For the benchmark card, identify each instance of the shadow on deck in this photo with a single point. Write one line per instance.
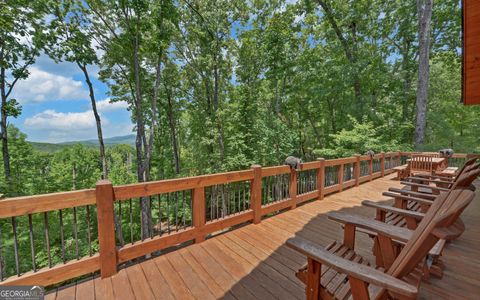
(253, 262)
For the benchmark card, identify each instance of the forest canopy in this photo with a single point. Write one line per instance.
(221, 85)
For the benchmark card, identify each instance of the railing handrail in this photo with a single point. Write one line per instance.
(106, 194)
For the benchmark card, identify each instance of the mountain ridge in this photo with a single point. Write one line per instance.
(53, 147)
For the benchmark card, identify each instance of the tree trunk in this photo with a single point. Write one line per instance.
(215, 106)
(140, 142)
(424, 11)
(101, 144)
(3, 127)
(103, 158)
(173, 133)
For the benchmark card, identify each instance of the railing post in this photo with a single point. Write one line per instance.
(382, 164)
(357, 169)
(199, 212)
(106, 228)
(321, 179)
(370, 168)
(399, 158)
(256, 194)
(292, 188)
(341, 169)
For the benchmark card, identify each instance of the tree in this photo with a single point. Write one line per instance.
(21, 40)
(424, 14)
(73, 43)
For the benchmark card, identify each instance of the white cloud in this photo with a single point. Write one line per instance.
(43, 86)
(106, 105)
(56, 127)
(50, 119)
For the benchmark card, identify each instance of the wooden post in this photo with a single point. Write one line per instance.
(382, 164)
(199, 212)
(106, 228)
(357, 170)
(341, 169)
(399, 158)
(256, 194)
(321, 179)
(292, 188)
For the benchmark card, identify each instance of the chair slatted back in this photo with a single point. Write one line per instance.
(443, 213)
(467, 164)
(465, 182)
(421, 163)
(431, 154)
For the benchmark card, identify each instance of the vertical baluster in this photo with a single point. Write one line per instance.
(15, 245)
(89, 233)
(263, 190)
(210, 202)
(228, 199)
(32, 245)
(269, 194)
(191, 208)
(75, 232)
(131, 220)
(299, 183)
(235, 187)
(301, 178)
(62, 237)
(183, 208)
(176, 211)
(151, 221)
(221, 201)
(244, 204)
(168, 212)
(217, 192)
(159, 198)
(285, 192)
(120, 223)
(47, 240)
(240, 188)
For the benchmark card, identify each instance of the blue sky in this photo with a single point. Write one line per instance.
(57, 108)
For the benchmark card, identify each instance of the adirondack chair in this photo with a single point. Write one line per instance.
(438, 179)
(337, 272)
(439, 185)
(421, 164)
(404, 214)
(425, 190)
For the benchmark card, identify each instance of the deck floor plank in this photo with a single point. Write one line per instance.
(157, 282)
(103, 288)
(253, 262)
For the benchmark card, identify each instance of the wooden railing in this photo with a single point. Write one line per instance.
(182, 210)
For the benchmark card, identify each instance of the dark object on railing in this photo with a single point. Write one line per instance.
(293, 162)
(370, 153)
(446, 153)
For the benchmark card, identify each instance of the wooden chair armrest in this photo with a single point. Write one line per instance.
(412, 193)
(393, 209)
(414, 179)
(446, 178)
(424, 186)
(393, 232)
(408, 198)
(359, 271)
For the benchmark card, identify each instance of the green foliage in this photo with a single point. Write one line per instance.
(358, 140)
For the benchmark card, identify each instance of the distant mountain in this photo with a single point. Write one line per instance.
(126, 139)
(116, 140)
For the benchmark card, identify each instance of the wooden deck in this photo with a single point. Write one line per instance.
(253, 262)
